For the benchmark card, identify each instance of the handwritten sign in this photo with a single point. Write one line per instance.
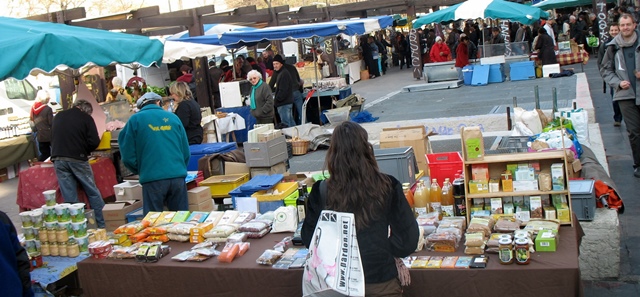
(601, 16)
(504, 27)
(416, 53)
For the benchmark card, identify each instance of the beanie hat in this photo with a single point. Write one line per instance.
(278, 58)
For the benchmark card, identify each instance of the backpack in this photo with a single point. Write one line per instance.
(607, 197)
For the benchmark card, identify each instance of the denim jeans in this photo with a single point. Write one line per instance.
(631, 114)
(298, 100)
(285, 114)
(69, 174)
(171, 192)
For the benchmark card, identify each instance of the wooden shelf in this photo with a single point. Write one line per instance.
(519, 193)
(519, 157)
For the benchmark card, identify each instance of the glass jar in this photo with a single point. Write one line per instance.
(43, 235)
(53, 249)
(507, 236)
(62, 235)
(505, 251)
(44, 249)
(522, 251)
(92, 238)
(73, 250)
(51, 235)
(62, 249)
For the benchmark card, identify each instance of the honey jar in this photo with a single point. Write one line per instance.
(62, 249)
(73, 250)
(53, 249)
(44, 249)
(62, 235)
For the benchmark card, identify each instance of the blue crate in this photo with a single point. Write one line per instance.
(467, 74)
(522, 70)
(496, 73)
(200, 150)
(135, 215)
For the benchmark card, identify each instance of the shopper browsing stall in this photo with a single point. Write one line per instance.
(188, 111)
(154, 145)
(74, 137)
(261, 100)
(283, 97)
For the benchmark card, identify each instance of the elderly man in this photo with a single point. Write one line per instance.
(619, 70)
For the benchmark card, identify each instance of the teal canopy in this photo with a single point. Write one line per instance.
(493, 9)
(31, 45)
(553, 4)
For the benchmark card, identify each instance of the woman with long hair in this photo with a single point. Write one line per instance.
(357, 186)
(188, 110)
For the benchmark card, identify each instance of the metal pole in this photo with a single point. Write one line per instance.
(515, 101)
(509, 124)
(536, 96)
(555, 100)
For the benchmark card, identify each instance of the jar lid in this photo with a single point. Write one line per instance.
(522, 236)
(508, 236)
(522, 241)
(504, 241)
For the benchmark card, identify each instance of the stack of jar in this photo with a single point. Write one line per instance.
(515, 250)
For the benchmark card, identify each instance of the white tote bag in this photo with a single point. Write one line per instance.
(580, 122)
(334, 267)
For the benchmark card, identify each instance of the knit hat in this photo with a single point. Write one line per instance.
(438, 38)
(147, 98)
(278, 58)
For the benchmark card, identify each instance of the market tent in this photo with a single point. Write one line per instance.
(182, 45)
(493, 9)
(31, 45)
(299, 31)
(553, 4)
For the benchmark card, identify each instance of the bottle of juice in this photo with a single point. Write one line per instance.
(406, 188)
(420, 199)
(436, 196)
(447, 199)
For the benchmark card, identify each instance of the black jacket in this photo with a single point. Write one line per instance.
(74, 135)
(377, 248)
(14, 261)
(284, 88)
(188, 111)
(295, 78)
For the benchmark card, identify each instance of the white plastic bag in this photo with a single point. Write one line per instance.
(530, 119)
(580, 120)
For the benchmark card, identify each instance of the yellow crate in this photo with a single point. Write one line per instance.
(221, 185)
(291, 199)
(284, 190)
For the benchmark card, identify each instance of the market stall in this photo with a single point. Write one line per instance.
(39, 178)
(182, 45)
(17, 149)
(548, 274)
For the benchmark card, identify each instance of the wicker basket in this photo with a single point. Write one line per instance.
(300, 146)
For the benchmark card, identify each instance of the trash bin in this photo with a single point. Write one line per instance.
(467, 73)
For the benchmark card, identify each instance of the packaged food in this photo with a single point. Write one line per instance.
(141, 236)
(507, 225)
(284, 244)
(221, 231)
(243, 248)
(99, 247)
(182, 228)
(435, 262)
(479, 261)
(442, 242)
(189, 256)
(132, 228)
(286, 219)
(449, 262)
(428, 219)
(237, 237)
(197, 217)
(505, 251)
(229, 252)
(474, 239)
(454, 222)
(141, 255)
(181, 216)
(123, 252)
(267, 216)
(161, 238)
(258, 234)
(269, 257)
(244, 217)
(214, 217)
(254, 226)
(539, 224)
(420, 262)
(205, 244)
(474, 250)
(481, 224)
(151, 217)
(463, 262)
(154, 253)
(157, 230)
(209, 252)
(229, 217)
(178, 237)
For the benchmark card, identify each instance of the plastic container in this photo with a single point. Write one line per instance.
(37, 218)
(25, 217)
(221, 185)
(337, 115)
(284, 190)
(128, 190)
(266, 154)
(522, 70)
(444, 165)
(496, 73)
(583, 199)
(467, 74)
(49, 197)
(200, 150)
(399, 162)
(62, 212)
(76, 211)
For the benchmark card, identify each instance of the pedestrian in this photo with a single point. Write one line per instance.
(188, 78)
(14, 262)
(619, 70)
(544, 45)
(614, 30)
(283, 98)
(440, 51)
(462, 55)
(42, 117)
(215, 76)
(357, 186)
(296, 85)
(261, 100)
(375, 68)
(188, 111)
(73, 137)
(154, 146)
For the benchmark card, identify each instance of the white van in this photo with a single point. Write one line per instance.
(17, 96)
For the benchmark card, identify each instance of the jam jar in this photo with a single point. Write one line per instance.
(505, 251)
(522, 251)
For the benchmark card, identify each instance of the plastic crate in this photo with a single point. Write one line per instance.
(496, 73)
(221, 185)
(399, 162)
(337, 115)
(444, 165)
(522, 70)
(284, 190)
(583, 199)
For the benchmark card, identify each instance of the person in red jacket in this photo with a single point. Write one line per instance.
(440, 51)
(462, 55)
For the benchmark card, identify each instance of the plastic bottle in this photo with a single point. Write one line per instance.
(420, 199)
(436, 196)
(447, 199)
(406, 188)
(458, 195)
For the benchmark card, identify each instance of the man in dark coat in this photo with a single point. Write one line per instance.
(283, 98)
(215, 75)
(14, 262)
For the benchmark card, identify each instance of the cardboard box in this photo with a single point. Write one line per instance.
(128, 190)
(118, 211)
(206, 206)
(507, 185)
(280, 168)
(201, 229)
(535, 205)
(562, 212)
(546, 241)
(414, 136)
(198, 195)
(135, 215)
(113, 225)
(480, 172)
(235, 168)
(557, 176)
(525, 185)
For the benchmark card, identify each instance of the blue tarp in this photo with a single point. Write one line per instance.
(348, 27)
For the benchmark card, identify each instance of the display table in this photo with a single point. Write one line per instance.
(38, 179)
(353, 70)
(311, 108)
(240, 131)
(55, 268)
(17, 149)
(565, 59)
(549, 274)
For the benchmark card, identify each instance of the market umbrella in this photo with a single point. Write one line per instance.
(31, 45)
(553, 4)
(493, 9)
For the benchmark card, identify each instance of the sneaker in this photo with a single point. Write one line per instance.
(636, 172)
(616, 124)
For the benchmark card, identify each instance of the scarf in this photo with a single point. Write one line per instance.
(253, 94)
(622, 43)
(37, 108)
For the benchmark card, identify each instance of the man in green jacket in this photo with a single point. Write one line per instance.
(154, 145)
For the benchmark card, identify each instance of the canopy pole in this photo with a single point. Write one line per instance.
(315, 73)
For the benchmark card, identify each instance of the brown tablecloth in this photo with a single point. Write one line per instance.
(17, 149)
(549, 274)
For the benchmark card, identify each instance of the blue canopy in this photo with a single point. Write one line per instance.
(211, 35)
(348, 27)
(27, 45)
